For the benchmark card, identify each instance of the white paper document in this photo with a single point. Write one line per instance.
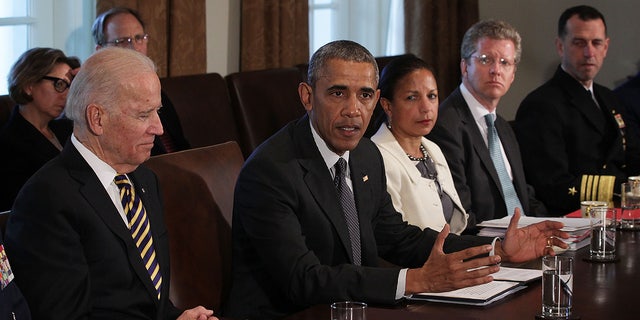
(570, 224)
(517, 274)
(479, 295)
(507, 281)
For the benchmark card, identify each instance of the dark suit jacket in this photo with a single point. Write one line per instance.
(24, 151)
(629, 95)
(172, 127)
(12, 303)
(474, 174)
(72, 254)
(564, 135)
(290, 238)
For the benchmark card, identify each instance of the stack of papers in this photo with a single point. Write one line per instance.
(578, 229)
(506, 282)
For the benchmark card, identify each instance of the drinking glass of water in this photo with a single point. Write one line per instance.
(630, 215)
(557, 287)
(603, 234)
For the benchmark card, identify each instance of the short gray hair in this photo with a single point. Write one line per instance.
(97, 30)
(492, 29)
(103, 79)
(343, 50)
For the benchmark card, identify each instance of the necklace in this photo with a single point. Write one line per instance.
(425, 156)
(427, 168)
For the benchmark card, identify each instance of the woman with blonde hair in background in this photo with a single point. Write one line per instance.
(38, 83)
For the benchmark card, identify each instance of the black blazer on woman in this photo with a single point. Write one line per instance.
(24, 151)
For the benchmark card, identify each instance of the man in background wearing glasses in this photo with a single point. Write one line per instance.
(571, 130)
(123, 27)
(491, 185)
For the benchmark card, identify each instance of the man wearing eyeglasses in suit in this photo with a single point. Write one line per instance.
(490, 185)
(123, 27)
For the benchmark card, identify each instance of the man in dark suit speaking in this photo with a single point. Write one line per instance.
(86, 234)
(312, 215)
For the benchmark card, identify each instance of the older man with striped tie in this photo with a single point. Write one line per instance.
(86, 233)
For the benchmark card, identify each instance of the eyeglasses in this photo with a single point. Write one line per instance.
(127, 42)
(486, 60)
(60, 85)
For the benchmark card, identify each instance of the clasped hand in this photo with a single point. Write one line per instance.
(197, 313)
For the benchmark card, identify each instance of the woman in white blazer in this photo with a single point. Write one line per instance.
(418, 177)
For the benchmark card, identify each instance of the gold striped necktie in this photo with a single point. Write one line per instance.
(140, 229)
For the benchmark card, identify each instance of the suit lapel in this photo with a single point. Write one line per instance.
(318, 180)
(611, 116)
(386, 141)
(589, 109)
(479, 146)
(581, 100)
(93, 192)
(91, 189)
(363, 196)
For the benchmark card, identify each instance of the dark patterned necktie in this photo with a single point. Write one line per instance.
(428, 171)
(140, 229)
(349, 209)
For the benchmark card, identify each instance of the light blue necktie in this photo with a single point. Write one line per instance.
(510, 196)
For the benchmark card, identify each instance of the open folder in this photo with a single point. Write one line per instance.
(506, 282)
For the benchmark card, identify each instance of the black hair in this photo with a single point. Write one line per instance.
(585, 13)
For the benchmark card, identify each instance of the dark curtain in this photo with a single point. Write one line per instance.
(177, 31)
(434, 31)
(275, 33)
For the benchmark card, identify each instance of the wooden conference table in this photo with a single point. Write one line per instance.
(601, 291)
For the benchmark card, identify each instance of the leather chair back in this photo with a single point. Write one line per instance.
(264, 101)
(383, 61)
(203, 106)
(197, 189)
